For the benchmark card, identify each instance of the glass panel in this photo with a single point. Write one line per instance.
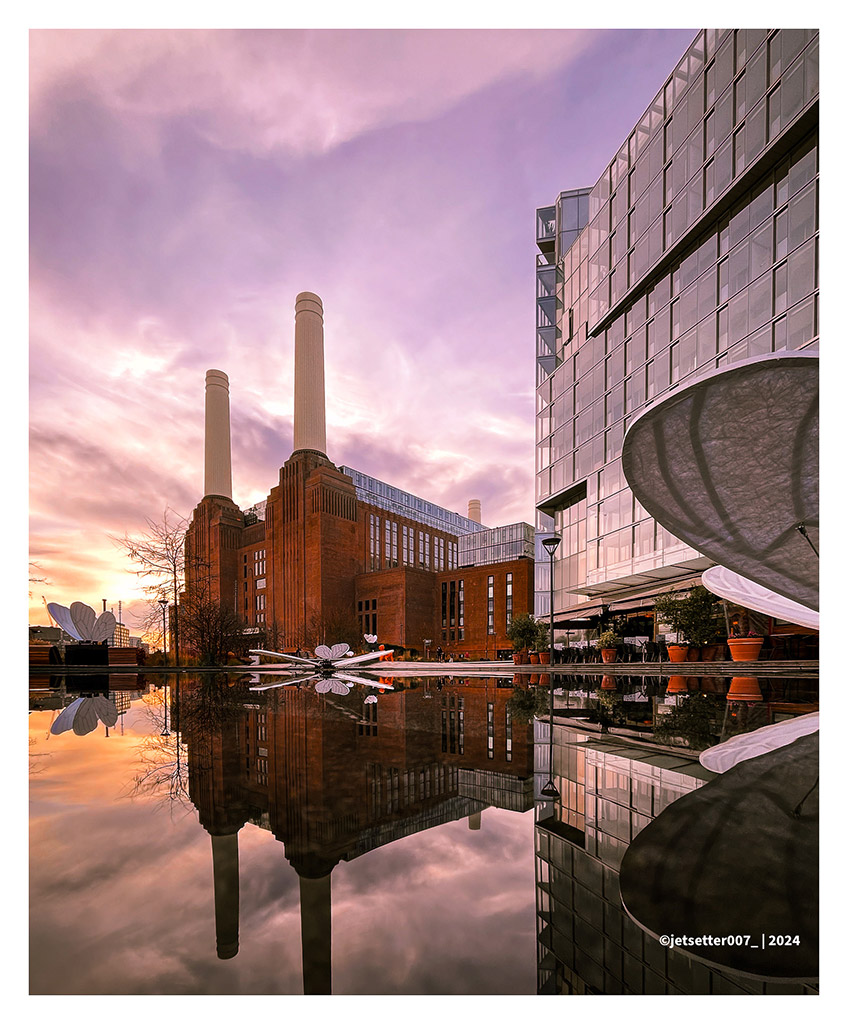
(774, 120)
(755, 133)
(780, 288)
(737, 316)
(802, 171)
(792, 86)
(759, 302)
(781, 235)
(706, 341)
(801, 323)
(802, 271)
(802, 216)
(760, 246)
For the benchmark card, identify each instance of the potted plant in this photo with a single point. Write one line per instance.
(744, 641)
(543, 641)
(745, 648)
(694, 618)
(521, 632)
(607, 643)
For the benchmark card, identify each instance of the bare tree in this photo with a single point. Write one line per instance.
(35, 567)
(159, 554)
(338, 625)
(210, 630)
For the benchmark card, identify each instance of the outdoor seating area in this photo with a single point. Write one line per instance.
(776, 647)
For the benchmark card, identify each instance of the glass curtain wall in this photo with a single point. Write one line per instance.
(701, 250)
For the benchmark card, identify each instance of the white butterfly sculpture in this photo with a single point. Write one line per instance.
(83, 714)
(326, 670)
(82, 623)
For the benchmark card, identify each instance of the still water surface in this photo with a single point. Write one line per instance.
(290, 841)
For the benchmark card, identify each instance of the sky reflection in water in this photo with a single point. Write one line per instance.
(122, 893)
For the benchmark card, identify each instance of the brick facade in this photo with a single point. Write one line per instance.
(323, 563)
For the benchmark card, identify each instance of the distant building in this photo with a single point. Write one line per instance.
(334, 549)
(48, 635)
(121, 636)
(696, 248)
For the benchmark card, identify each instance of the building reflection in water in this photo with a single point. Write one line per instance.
(612, 785)
(333, 777)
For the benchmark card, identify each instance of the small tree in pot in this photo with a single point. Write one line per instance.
(694, 618)
(543, 641)
(608, 643)
(522, 633)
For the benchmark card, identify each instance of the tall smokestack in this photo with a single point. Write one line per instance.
(316, 926)
(225, 872)
(310, 430)
(474, 511)
(219, 473)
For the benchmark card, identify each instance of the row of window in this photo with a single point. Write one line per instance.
(747, 288)
(675, 166)
(689, 164)
(391, 544)
(258, 564)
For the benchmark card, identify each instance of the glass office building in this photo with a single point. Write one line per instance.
(587, 943)
(696, 248)
(499, 544)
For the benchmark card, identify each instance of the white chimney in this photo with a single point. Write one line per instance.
(219, 474)
(474, 511)
(310, 430)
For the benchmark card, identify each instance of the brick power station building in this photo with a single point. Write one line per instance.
(331, 546)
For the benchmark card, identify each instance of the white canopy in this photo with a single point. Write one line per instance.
(730, 466)
(733, 587)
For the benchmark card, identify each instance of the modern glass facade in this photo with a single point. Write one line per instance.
(500, 544)
(401, 503)
(700, 248)
(587, 944)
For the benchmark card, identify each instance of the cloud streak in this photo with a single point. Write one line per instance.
(186, 185)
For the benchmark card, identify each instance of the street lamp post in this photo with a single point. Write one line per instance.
(549, 790)
(164, 603)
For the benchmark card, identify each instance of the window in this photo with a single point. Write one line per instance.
(490, 606)
(508, 598)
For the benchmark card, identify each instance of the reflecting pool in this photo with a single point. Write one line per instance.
(388, 836)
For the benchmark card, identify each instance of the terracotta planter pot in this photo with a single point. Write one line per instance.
(745, 648)
(693, 654)
(710, 652)
(534, 659)
(534, 680)
(677, 684)
(520, 658)
(745, 689)
(545, 679)
(544, 657)
(608, 654)
(608, 683)
(678, 652)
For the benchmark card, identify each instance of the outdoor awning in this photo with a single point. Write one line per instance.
(733, 587)
(730, 466)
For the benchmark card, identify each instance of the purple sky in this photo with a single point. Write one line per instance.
(186, 185)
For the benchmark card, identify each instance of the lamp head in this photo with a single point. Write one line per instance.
(549, 790)
(550, 544)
